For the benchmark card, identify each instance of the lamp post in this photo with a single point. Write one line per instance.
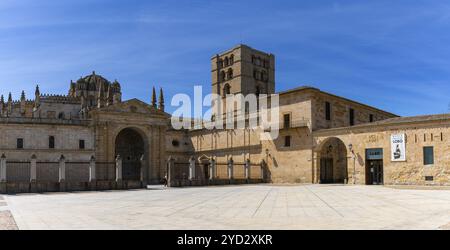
(350, 148)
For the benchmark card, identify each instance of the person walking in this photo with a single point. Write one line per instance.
(165, 181)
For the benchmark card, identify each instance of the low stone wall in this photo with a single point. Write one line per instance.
(209, 173)
(16, 187)
(215, 182)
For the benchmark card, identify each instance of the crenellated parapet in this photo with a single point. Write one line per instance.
(59, 99)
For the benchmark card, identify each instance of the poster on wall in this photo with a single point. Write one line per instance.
(398, 147)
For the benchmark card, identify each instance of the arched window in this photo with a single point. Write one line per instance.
(226, 90)
(51, 142)
(222, 76)
(230, 74)
(263, 75)
(231, 59)
(256, 74)
(220, 63)
(227, 62)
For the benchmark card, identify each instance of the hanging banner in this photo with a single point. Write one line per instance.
(398, 147)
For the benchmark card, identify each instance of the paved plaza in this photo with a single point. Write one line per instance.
(236, 207)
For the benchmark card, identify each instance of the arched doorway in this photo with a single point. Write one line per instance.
(333, 161)
(130, 145)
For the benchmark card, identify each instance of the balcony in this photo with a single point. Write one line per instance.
(302, 123)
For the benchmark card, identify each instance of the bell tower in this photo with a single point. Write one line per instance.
(244, 70)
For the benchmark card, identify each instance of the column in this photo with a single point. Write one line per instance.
(92, 170)
(192, 168)
(118, 168)
(230, 168)
(141, 169)
(3, 168)
(247, 169)
(170, 169)
(263, 166)
(33, 172)
(212, 169)
(62, 168)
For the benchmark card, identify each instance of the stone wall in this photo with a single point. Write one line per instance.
(340, 114)
(36, 141)
(412, 171)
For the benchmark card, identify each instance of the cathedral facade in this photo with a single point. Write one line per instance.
(92, 139)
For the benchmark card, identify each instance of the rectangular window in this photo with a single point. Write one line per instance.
(428, 155)
(81, 144)
(51, 142)
(352, 117)
(19, 143)
(287, 141)
(286, 121)
(371, 118)
(328, 111)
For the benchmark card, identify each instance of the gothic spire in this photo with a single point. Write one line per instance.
(161, 99)
(154, 98)
(37, 92)
(2, 105)
(22, 96)
(9, 97)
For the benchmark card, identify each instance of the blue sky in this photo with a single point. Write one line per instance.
(394, 55)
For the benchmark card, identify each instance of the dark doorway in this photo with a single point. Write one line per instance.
(326, 170)
(206, 171)
(375, 172)
(130, 146)
(374, 166)
(333, 162)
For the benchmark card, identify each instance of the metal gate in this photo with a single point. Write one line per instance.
(326, 170)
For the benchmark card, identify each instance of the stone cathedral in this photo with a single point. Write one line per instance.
(91, 139)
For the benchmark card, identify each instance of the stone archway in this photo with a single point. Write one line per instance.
(332, 161)
(131, 145)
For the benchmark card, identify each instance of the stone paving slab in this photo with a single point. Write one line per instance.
(237, 207)
(7, 221)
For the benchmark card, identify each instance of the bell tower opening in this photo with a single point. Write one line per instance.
(243, 70)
